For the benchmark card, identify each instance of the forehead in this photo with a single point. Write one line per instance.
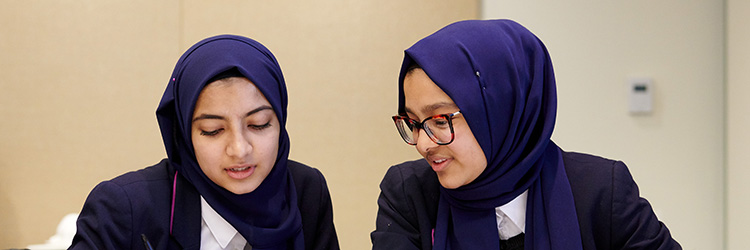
(422, 97)
(232, 91)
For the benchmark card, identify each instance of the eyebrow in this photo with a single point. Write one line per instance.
(218, 117)
(431, 108)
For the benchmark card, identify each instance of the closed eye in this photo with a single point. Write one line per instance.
(211, 133)
(441, 122)
(259, 127)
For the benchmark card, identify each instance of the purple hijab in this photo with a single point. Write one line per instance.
(268, 218)
(500, 76)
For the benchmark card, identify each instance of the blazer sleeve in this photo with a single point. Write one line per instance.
(105, 222)
(396, 225)
(634, 224)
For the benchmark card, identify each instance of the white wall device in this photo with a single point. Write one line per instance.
(641, 96)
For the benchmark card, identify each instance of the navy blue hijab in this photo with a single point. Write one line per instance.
(268, 217)
(500, 76)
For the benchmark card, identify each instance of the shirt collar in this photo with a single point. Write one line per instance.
(516, 210)
(222, 231)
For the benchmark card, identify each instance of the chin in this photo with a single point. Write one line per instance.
(449, 184)
(242, 190)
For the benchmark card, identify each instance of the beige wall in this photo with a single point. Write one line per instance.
(79, 87)
(738, 122)
(676, 154)
(81, 81)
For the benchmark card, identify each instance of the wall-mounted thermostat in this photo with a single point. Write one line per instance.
(641, 95)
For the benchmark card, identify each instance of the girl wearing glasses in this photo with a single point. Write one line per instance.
(227, 182)
(478, 101)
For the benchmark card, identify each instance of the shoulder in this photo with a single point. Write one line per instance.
(609, 207)
(593, 169)
(138, 191)
(310, 184)
(411, 174)
(159, 172)
(407, 206)
(575, 161)
(148, 186)
(315, 206)
(412, 180)
(302, 170)
(590, 175)
(588, 171)
(305, 176)
(116, 208)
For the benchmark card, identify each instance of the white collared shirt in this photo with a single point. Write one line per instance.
(216, 232)
(511, 217)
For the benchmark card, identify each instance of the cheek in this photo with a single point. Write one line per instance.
(473, 155)
(206, 153)
(268, 147)
(479, 165)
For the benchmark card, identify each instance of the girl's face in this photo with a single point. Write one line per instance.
(235, 134)
(457, 163)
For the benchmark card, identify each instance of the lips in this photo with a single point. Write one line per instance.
(238, 169)
(240, 172)
(438, 163)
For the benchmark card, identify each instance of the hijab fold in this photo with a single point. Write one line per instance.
(268, 217)
(500, 76)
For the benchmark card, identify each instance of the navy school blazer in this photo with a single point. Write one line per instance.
(611, 214)
(118, 211)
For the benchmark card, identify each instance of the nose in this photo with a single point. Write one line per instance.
(239, 146)
(424, 143)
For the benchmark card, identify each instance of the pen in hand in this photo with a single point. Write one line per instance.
(146, 243)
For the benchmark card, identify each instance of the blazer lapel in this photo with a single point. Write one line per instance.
(186, 226)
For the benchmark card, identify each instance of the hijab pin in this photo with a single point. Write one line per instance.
(484, 87)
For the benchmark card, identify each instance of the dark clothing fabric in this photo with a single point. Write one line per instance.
(611, 214)
(514, 243)
(118, 211)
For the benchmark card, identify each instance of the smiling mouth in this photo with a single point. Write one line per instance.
(439, 164)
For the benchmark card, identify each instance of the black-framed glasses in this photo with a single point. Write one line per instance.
(439, 128)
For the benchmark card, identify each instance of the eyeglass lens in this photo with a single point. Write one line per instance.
(437, 128)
